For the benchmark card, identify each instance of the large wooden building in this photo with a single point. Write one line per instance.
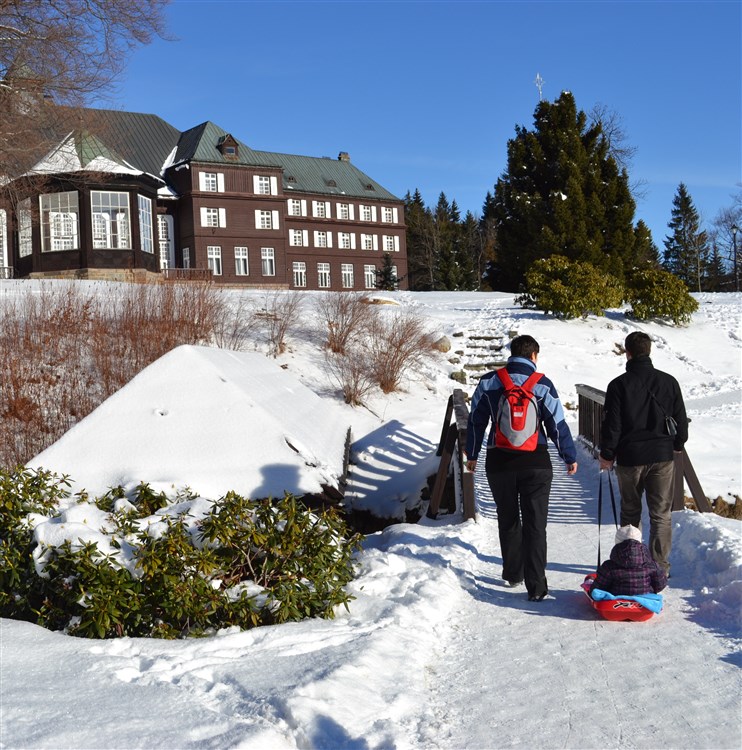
(127, 195)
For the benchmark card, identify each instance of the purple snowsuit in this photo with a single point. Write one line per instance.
(630, 571)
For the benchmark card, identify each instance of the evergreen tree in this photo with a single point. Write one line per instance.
(562, 193)
(421, 243)
(686, 248)
(386, 276)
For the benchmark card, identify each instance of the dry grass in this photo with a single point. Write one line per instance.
(65, 349)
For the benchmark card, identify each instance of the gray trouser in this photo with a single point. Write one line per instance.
(657, 481)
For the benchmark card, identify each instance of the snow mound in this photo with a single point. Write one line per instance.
(209, 419)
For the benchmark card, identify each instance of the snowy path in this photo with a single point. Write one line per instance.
(552, 674)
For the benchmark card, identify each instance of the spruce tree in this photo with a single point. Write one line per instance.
(421, 244)
(386, 276)
(686, 248)
(562, 193)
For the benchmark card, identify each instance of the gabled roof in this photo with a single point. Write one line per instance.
(146, 143)
(301, 174)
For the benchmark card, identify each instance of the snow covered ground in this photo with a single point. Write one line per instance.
(435, 651)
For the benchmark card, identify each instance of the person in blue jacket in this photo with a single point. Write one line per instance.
(521, 480)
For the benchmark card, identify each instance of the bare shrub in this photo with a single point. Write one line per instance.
(236, 325)
(353, 372)
(281, 313)
(65, 348)
(345, 314)
(397, 342)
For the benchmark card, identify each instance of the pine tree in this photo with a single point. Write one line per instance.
(562, 193)
(686, 249)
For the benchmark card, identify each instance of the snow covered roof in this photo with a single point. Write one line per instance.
(209, 419)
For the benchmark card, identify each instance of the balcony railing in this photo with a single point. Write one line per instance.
(186, 274)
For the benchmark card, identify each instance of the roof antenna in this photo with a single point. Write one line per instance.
(539, 84)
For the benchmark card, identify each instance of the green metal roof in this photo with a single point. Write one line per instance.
(301, 174)
(148, 143)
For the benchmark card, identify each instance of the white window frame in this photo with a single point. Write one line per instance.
(297, 207)
(345, 240)
(25, 228)
(146, 228)
(59, 219)
(321, 209)
(241, 261)
(324, 280)
(214, 259)
(266, 219)
(369, 276)
(346, 275)
(186, 257)
(111, 222)
(390, 243)
(389, 215)
(343, 211)
(299, 237)
(368, 213)
(213, 217)
(299, 270)
(211, 182)
(268, 261)
(320, 238)
(165, 241)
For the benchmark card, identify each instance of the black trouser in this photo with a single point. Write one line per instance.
(522, 499)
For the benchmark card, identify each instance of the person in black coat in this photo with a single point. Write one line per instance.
(644, 424)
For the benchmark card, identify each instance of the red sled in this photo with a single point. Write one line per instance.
(617, 610)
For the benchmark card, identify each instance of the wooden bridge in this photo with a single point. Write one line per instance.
(454, 484)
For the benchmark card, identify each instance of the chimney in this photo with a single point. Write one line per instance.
(343, 156)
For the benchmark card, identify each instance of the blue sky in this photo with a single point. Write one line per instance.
(426, 94)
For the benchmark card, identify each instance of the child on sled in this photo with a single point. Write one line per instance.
(630, 570)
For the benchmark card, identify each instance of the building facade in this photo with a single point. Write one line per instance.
(128, 196)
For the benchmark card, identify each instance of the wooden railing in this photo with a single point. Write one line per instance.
(451, 450)
(590, 403)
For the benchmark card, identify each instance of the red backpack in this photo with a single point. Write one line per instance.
(516, 425)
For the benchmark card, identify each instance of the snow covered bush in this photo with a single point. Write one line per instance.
(569, 289)
(656, 293)
(144, 564)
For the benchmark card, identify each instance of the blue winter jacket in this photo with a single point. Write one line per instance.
(551, 415)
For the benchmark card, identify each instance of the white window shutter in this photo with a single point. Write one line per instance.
(257, 218)
(305, 237)
(373, 215)
(395, 215)
(327, 209)
(352, 212)
(352, 240)
(376, 242)
(329, 239)
(316, 238)
(274, 186)
(204, 220)
(220, 182)
(314, 208)
(396, 241)
(275, 219)
(255, 183)
(222, 217)
(201, 181)
(303, 207)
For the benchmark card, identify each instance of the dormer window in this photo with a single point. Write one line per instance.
(228, 147)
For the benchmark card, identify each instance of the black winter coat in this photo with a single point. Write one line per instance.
(633, 430)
